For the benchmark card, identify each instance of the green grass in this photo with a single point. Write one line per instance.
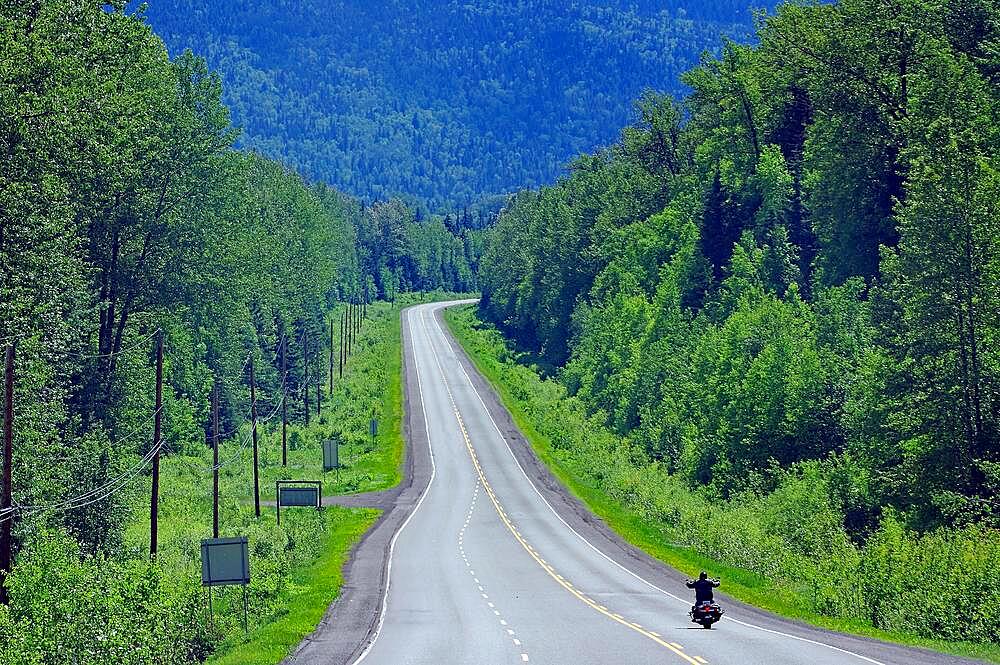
(741, 584)
(307, 597)
(296, 569)
(371, 384)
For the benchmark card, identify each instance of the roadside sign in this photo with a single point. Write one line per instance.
(373, 428)
(225, 561)
(331, 454)
(299, 496)
(298, 493)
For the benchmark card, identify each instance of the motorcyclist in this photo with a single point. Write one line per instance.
(703, 588)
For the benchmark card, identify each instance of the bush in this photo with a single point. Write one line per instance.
(944, 584)
(108, 612)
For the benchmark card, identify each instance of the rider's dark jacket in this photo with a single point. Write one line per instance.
(703, 590)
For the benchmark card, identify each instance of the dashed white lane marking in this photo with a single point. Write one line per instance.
(641, 579)
(416, 508)
(479, 585)
(513, 529)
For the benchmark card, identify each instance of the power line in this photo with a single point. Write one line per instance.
(113, 486)
(116, 442)
(91, 497)
(112, 354)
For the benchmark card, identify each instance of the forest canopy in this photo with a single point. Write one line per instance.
(798, 263)
(444, 102)
(125, 217)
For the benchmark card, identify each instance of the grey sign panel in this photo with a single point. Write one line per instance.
(373, 428)
(225, 561)
(299, 496)
(331, 454)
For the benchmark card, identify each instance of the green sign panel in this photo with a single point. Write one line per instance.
(331, 454)
(299, 496)
(225, 561)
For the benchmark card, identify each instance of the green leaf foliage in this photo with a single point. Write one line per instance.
(786, 293)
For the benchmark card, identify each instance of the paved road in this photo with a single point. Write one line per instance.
(495, 564)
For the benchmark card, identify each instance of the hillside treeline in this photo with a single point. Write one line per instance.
(126, 215)
(447, 102)
(793, 273)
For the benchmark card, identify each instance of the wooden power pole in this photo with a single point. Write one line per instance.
(305, 374)
(253, 425)
(284, 401)
(343, 330)
(215, 461)
(7, 496)
(154, 500)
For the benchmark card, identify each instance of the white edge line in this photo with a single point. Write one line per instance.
(420, 502)
(591, 545)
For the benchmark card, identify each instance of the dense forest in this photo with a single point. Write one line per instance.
(793, 274)
(445, 102)
(127, 217)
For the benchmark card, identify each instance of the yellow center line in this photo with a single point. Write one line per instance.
(566, 585)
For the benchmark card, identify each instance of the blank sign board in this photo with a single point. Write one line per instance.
(225, 561)
(299, 496)
(330, 454)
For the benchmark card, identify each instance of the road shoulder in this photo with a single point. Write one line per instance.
(351, 621)
(596, 532)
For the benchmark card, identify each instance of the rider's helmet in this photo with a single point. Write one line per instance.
(703, 575)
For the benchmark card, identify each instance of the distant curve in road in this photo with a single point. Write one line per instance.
(491, 568)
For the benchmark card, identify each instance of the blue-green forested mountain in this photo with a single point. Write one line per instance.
(446, 101)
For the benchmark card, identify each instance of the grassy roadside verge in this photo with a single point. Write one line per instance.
(310, 591)
(372, 384)
(520, 389)
(297, 568)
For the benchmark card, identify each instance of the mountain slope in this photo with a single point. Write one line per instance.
(445, 101)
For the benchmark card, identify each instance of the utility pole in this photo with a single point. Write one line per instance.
(6, 498)
(154, 501)
(284, 401)
(343, 329)
(319, 399)
(215, 460)
(253, 425)
(305, 376)
(332, 342)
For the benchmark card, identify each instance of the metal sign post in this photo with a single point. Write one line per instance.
(331, 456)
(298, 493)
(226, 562)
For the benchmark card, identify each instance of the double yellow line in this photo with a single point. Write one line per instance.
(536, 556)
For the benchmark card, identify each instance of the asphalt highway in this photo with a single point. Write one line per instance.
(496, 564)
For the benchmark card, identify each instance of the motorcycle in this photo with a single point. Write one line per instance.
(706, 613)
